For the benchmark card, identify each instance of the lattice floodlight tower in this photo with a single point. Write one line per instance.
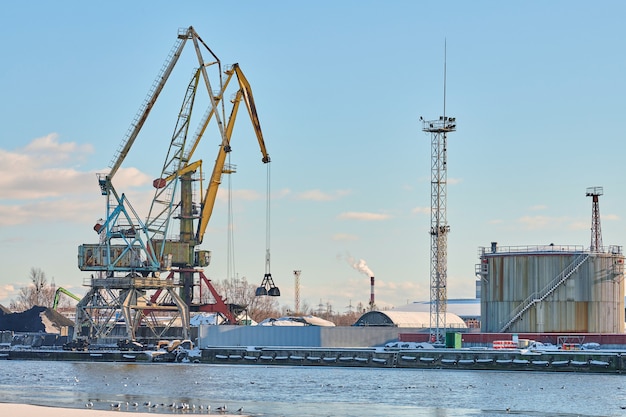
(296, 286)
(127, 266)
(439, 228)
(596, 232)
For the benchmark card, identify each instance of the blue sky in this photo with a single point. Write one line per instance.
(537, 89)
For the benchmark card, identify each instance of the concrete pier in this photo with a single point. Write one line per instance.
(77, 356)
(481, 359)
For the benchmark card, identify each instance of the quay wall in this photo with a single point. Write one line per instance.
(483, 359)
(75, 356)
(473, 340)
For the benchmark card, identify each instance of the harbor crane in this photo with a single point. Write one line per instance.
(143, 273)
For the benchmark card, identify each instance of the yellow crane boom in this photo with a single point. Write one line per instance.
(245, 93)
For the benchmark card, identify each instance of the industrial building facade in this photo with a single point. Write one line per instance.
(537, 289)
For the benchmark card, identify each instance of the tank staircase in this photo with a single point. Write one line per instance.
(539, 296)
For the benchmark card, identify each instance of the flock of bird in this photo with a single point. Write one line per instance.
(181, 407)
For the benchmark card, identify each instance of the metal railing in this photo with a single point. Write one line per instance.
(551, 248)
(531, 249)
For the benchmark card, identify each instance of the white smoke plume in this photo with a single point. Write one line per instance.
(359, 265)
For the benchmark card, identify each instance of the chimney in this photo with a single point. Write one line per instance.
(372, 293)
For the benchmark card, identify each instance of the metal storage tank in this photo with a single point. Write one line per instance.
(542, 289)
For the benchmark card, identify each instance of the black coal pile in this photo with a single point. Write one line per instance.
(36, 319)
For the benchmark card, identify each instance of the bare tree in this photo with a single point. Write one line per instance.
(38, 293)
(240, 291)
(305, 309)
(346, 319)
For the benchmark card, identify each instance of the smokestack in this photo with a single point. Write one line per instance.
(362, 267)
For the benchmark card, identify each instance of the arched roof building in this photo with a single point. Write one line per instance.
(414, 319)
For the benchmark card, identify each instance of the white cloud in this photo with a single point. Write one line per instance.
(354, 215)
(245, 195)
(48, 150)
(579, 225)
(344, 237)
(547, 222)
(405, 292)
(128, 177)
(318, 195)
(281, 193)
(535, 222)
(586, 224)
(39, 170)
(421, 210)
(250, 195)
(68, 209)
(39, 185)
(7, 293)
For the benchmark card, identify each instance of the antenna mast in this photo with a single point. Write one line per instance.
(596, 232)
(439, 228)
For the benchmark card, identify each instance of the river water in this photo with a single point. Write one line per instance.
(275, 391)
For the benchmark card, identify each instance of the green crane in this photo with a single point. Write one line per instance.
(57, 294)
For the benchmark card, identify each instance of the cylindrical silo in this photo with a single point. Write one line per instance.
(542, 289)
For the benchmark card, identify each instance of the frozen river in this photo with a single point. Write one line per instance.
(275, 391)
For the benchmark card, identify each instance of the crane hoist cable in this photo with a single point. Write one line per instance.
(230, 251)
(267, 285)
(267, 224)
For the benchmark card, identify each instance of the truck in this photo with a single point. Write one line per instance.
(172, 351)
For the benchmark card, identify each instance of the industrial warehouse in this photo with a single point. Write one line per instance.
(544, 307)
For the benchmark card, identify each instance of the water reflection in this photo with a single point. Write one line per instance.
(312, 391)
